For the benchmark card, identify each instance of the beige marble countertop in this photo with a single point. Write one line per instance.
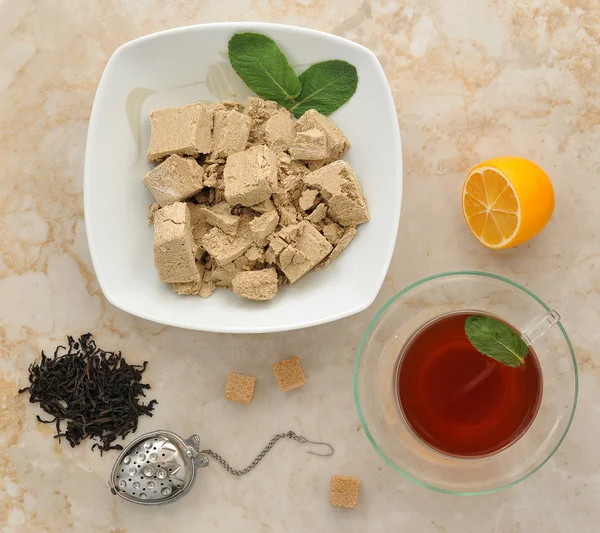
(471, 80)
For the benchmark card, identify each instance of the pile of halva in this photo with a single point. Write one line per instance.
(246, 198)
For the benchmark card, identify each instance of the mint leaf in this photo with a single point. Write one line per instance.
(325, 87)
(263, 67)
(496, 340)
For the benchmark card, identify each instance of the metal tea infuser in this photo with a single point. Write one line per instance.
(160, 467)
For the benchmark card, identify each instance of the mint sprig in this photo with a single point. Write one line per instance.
(325, 87)
(263, 67)
(496, 340)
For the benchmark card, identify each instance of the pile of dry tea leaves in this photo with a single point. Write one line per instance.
(95, 392)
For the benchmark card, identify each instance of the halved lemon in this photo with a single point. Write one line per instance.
(506, 201)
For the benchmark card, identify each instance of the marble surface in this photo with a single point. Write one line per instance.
(471, 80)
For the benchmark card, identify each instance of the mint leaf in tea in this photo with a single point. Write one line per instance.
(496, 340)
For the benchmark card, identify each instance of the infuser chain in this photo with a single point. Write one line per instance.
(289, 435)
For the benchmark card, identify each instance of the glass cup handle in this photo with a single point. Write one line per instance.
(539, 327)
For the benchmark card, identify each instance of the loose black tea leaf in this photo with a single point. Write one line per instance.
(95, 392)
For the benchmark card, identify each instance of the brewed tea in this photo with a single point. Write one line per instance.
(459, 401)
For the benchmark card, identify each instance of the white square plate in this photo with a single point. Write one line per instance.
(184, 65)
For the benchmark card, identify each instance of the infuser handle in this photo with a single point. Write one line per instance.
(193, 451)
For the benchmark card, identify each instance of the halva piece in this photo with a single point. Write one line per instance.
(264, 207)
(290, 174)
(255, 255)
(310, 145)
(204, 286)
(337, 143)
(259, 111)
(223, 275)
(199, 226)
(349, 234)
(261, 227)
(230, 133)
(152, 209)
(213, 173)
(333, 232)
(175, 179)
(280, 131)
(318, 214)
(183, 130)
(341, 191)
(174, 249)
(259, 285)
(220, 216)
(227, 105)
(225, 248)
(250, 176)
(304, 251)
(308, 199)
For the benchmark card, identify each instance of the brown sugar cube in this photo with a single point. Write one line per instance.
(288, 374)
(240, 388)
(344, 491)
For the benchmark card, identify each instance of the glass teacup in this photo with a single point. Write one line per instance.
(375, 381)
